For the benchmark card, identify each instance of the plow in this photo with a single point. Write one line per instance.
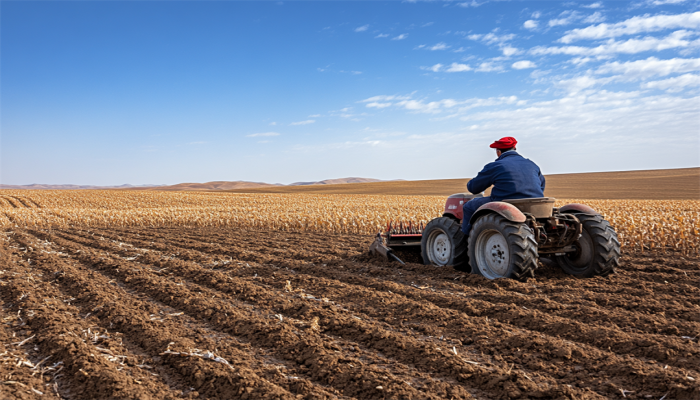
(508, 237)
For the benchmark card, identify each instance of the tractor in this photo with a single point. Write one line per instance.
(508, 237)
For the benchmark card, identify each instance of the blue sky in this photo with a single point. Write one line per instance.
(165, 92)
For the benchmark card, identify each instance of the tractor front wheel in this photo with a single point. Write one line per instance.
(499, 248)
(443, 243)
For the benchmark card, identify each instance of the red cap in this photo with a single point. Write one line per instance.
(504, 143)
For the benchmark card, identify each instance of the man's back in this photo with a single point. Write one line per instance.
(512, 177)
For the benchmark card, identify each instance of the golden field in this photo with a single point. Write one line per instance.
(641, 224)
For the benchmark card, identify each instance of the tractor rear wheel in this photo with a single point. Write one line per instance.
(443, 243)
(597, 250)
(499, 248)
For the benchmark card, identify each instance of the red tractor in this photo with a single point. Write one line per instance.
(507, 238)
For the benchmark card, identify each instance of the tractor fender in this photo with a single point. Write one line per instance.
(506, 210)
(574, 208)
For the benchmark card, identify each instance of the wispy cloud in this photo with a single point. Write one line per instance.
(675, 84)
(676, 39)
(531, 24)
(400, 37)
(491, 37)
(382, 35)
(652, 66)
(263, 134)
(306, 122)
(438, 46)
(593, 5)
(664, 2)
(565, 18)
(524, 64)
(633, 26)
(362, 28)
(489, 67)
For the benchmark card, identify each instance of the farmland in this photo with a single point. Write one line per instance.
(130, 294)
(641, 224)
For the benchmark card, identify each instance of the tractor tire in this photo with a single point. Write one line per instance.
(499, 248)
(443, 243)
(597, 250)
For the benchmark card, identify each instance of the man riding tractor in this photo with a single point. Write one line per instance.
(512, 176)
(504, 235)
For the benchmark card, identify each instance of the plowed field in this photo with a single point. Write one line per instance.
(220, 314)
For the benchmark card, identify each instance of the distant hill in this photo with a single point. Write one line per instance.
(216, 185)
(660, 184)
(38, 186)
(338, 181)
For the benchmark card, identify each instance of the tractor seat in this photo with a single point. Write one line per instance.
(539, 207)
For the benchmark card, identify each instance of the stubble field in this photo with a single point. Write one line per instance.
(190, 310)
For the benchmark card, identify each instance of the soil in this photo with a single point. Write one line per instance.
(145, 313)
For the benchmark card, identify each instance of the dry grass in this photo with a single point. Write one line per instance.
(641, 224)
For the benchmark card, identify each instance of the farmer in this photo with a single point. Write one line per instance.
(512, 177)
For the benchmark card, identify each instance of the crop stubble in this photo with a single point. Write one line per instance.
(220, 313)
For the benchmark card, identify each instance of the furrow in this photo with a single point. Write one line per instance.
(433, 320)
(353, 376)
(163, 340)
(82, 360)
(674, 351)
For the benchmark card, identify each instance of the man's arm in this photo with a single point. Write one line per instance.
(482, 181)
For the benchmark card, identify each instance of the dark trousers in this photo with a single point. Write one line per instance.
(469, 208)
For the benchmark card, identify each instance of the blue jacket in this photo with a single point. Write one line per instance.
(512, 176)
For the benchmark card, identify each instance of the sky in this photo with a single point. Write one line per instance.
(164, 92)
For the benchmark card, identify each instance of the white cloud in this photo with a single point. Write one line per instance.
(530, 24)
(631, 46)
(434, 68)
(652, 66)
(567, 17)
(634, 25)
(536, 14)
(524, 64)
(491, 38)
(594, 5)
(675, 84)
(452, 105)
(509, 50)
(581, 60)
(263, 134)
(439, 46)
(375, 104)
(489, 67)
(472, 3)
(663, 2)
(381, 98)
(273, 123)
(455, 67)
(400, 37)
(308, 121)
(594, 18)
(579, 83)
(382, 35)
(362, 28)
